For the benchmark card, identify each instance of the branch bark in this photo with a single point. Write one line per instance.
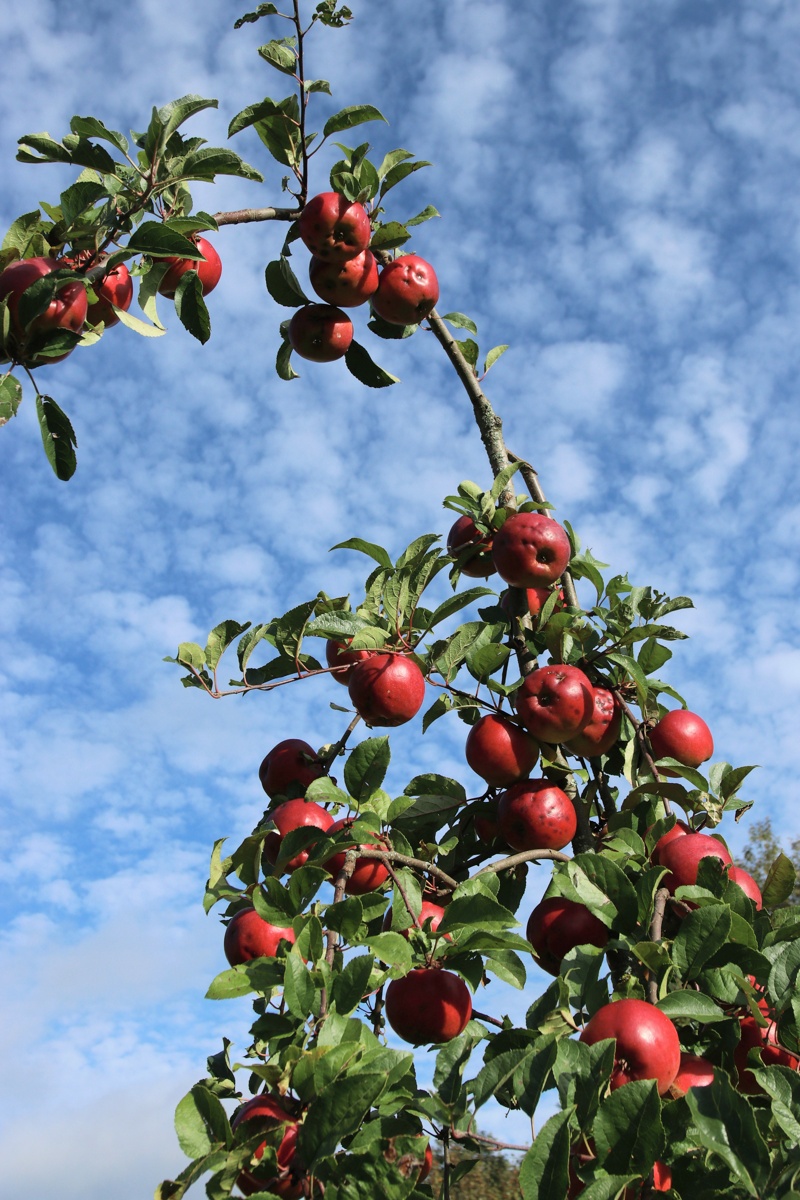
(244, 216)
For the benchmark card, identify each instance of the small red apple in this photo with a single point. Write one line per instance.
(748, 885)
(407, 291)
(428, 1005)
(684, 736)
(530, 550)
(485, 822)
(555, 702)
(333, 228)
(682, 857)
(289, 768)
(536, 815)
(499, 751)
(249, 936)
(114, 290)
(209, 269)
(694, 1071)
(464, 534)
(270, 1110)
(535, 599)
(346, 284)
(647, 1047)
(295, 814)
(765, 1039)
(320, 333)
(428, 911)
(338, 655)
(427, 1164)
(67, 309)
(557, 925)
(369, 873)
(387, 689)
(601, 733)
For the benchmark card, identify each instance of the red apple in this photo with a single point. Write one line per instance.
(114, 290)
(748, 885)
(530, 550)
(209, 269)
(407, 291)
(678, 830)
(270, 1111)
(499, 751)
(485, 822)
(662, 1177)
(294, 814)
(387, 689)
(694, 1071)
(346, 284)
(427, 1164)
(765, 1039)
(428, 1005)
(536, 815)
(464, 534)
(557, 925)
(555, 702)
(429, 911)
(320, 333)
(601, 732)
(289, 768)
(684, 736)
(249, 936)
(368, 874)
(333, 228)
(67, 309)
(647, 1047)
(682, 858)
(338, 655)
(535, 599)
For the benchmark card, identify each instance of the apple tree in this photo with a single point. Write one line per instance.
(670, 1034)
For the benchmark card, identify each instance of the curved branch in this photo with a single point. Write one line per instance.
(524, 856)
(393, 856)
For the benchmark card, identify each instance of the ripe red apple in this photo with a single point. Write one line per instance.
(346, 284)
(333, 228)
(678, 830)
(601, 732)
(499, 751)
(67, 309)
(427, 1164)
(270, 1110)
(748, 885)
(684, 736)
(209, 269)
(295, 814)
(114, 290)
(557, 925)
(464, 534)
(555, 702)
(338, 655)
(682, 858)
(428, 911)
(249, 936)
(694, 1071)
(387, 689)
(289, 768)
(535, 599)
(530, 550)
(754, 1036)
(485, 823)
(648, 1046)
(428, 1005)
(407, 291)
(368, 874)
(536, 815)
(320, 333)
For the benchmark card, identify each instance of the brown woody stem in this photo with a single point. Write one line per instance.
(332, 937)
(388, 856)
(662, 896)
(524, 856)
(243, 216)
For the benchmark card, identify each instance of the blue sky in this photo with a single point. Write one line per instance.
(617, 185)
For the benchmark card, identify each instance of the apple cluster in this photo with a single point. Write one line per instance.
(344, 273)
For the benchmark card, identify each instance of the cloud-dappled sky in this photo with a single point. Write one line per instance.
(617, 187)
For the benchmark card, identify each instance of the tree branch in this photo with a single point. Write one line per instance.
(332, 937)
(524, 856)
(244, 216)
(388, 856)
(662, 896)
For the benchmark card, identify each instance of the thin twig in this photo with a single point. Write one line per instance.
(524, 856)
(642, 740)
(328, 759)
(243, 216)
(332, 937)
(479, 1016)
(388, 856)
(402, 892)
(662, 896)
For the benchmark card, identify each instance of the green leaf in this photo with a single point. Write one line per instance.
(281, 55)
(690, 1006)
(143, 328)
(392, 948)
(191, 307)
(229, 984)
(780, 884)
(544, 1172)
(600, 884)
(450, 1063)
(371, 549)
(492, 357)
(359, 363)
(347, 118)
(456, 602)
(174, 114)
(702, 933)
(283, 364)
(337, 1113)
(220, 638)
(91, 127)
(10, 398)
(479, 910)
(389, 236)
(366, 767)
(283, 285)
(159, 240)
(350, 986)
(317, 85)
(398, 172)
(58, 437)
(200, 1122)
(726, 1127)
(627, 1129)
(427, 213)
(469, 350)
(298, 988)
